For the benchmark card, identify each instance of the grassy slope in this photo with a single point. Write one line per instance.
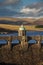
(23, 19)
(15, 27)
(19, 19)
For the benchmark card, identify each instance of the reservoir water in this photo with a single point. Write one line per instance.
(28, 33)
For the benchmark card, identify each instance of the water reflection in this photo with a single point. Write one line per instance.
(28, 33)
(3, 41)
(10, 34)
(32, 33)
(15, 41)
(31, 41)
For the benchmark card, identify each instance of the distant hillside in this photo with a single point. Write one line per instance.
(16, 21)
(19, 21)
(38, 21)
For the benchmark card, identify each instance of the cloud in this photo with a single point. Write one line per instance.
(28, 10)
(35, 5)
(8, 2)
(34, 10)
(11, 1)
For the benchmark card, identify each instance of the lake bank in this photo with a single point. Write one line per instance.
(16, 27)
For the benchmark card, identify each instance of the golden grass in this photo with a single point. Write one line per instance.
(16, 27)
(9, 19)
(19, 19)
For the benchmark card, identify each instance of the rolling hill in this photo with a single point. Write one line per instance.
(16, 21)
(38, 22)
(19, 21)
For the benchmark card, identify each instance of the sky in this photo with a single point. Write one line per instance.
(21, 8)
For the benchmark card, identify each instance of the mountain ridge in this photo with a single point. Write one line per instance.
(20, 21)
